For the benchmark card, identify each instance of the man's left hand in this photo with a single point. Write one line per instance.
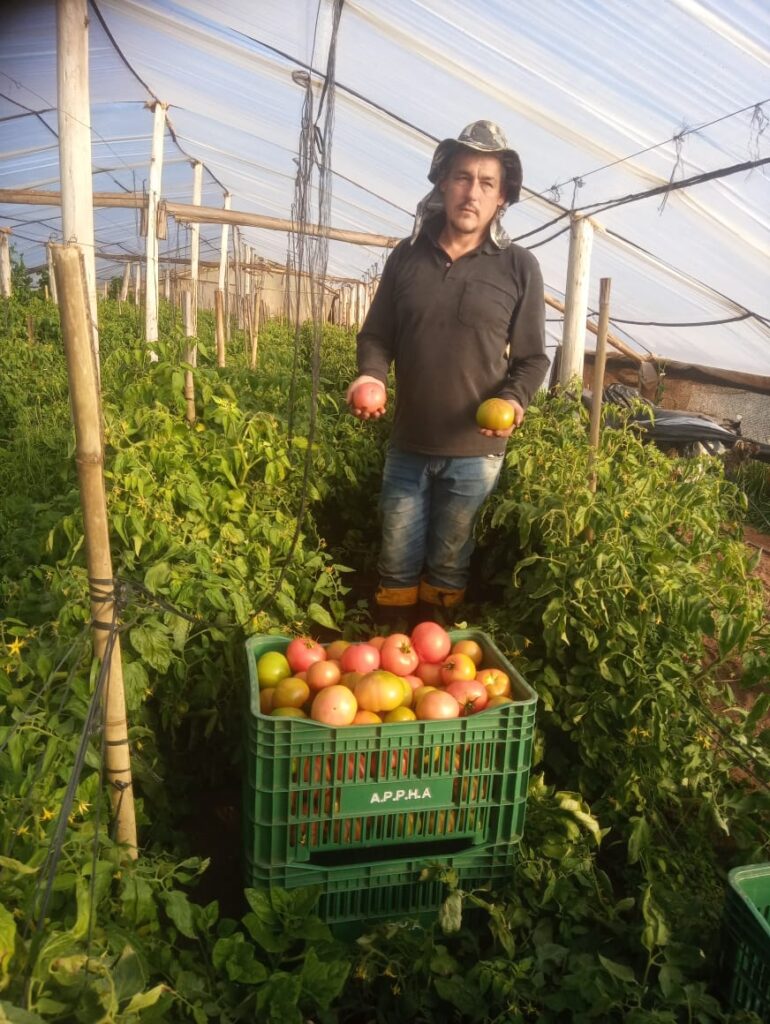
(518, 417)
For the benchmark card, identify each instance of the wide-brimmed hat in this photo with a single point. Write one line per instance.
(483, 137)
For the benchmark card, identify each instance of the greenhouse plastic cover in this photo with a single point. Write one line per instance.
(601, 99)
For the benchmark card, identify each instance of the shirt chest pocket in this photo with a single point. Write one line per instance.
(486, 306)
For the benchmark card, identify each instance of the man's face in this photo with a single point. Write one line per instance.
(473, 191)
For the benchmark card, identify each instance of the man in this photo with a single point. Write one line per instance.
(460, 312)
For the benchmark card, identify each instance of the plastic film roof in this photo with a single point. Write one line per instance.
(601, 99)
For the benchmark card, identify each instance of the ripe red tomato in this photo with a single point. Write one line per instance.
(436, 705)
(334, 705)
(397, 655)
(496, 681)
(322, 674)
(457, 666)
(302, 652)
(360, 658)
(470, 694)
(369, 397)
(431, 641)
(379, 691)
(376, 641)
(495, 414)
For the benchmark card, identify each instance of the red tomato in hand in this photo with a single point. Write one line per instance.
(369, 397)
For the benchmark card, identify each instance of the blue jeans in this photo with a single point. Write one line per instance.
(429, 506)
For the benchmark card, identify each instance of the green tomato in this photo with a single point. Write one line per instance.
(272, 667)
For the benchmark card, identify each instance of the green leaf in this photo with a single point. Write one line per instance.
(639, 840)
(156, 576)
(180, 911)
(277, 999)
(152, 643)
(17, 867)
(620, 971)
(320, 615)
(128, 975)
(450, 915)
(237, 958)
(7, 944)
(142, 1000)
(323, 980)
(10, 1014)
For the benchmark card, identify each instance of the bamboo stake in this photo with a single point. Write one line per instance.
(125, 283)
(137, 283)
(5, 264)
(255, 317)
(238, 277)
(151, 287)
(31, 330)
(219, 310)
(74, 121)
(51, 275)
(191, 356)
(600, 360)
(576, 300)
(195, 243)
(89, 457)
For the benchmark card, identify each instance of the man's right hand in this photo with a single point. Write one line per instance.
(368, 413)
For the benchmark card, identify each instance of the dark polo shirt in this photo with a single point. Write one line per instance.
(457, 333)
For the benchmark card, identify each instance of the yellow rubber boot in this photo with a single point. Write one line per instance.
(395, 607)
(437, 603)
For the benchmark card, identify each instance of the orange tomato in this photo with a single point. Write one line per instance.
(495, 414)
(469, 647)
(291, 693)
(334, 705)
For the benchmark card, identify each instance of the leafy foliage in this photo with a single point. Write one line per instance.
(625, 608)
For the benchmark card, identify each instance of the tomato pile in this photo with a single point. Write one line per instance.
(399, 678)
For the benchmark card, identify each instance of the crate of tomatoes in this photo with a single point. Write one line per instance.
(364, 750)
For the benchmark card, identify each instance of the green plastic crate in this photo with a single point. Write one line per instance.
(317, 795)
(355, 895)
(747, 945)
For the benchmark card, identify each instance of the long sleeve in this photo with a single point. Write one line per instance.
(376, 339)
(527, 361)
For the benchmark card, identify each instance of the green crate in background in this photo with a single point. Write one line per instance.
(746, 952)
(320, 795)
(360, 894)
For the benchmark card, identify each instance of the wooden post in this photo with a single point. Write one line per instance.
(238, 277)
(125, 283)
(75, 168)
(576, 300)
(600, 359)
(5, 264)
(89, 458)
(31, 330)
(224, 283)
(191, 355)
(105, 289)
(151, 287)
(137, 283)
(254, 325)
(219, 311)
(195, 244)
(167, 286)
(51, 275)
